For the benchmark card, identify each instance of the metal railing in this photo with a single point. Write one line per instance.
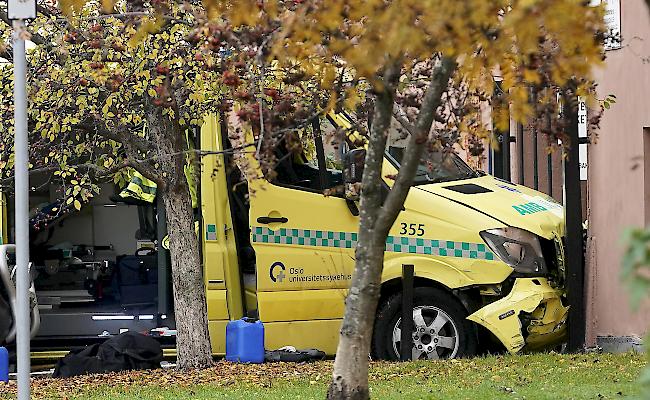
(567, 186)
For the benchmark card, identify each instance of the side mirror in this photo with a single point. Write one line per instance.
(353, 162)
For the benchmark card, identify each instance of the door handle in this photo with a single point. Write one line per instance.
(270, 220)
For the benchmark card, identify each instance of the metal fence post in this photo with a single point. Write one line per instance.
(406, 339)
(502, 155)
(520, 146)
(573, 219)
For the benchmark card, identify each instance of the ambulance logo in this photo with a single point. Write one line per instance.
(277, 272)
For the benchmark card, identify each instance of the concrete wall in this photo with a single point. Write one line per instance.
(619, 177)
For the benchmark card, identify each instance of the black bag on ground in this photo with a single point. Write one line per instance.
(127, 351)
(282, 355)
(138, 279)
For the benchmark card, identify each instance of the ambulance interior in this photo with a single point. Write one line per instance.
(95, 270)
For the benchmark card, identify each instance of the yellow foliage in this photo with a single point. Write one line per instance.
(107, 6)
(70, 7)
(343, 47)
(148, 26)
(482, 36)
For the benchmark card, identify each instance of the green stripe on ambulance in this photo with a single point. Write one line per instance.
(396, 244)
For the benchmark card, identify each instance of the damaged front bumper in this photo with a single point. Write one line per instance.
(531, 316)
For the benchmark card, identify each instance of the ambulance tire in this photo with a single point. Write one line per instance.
(430, 301)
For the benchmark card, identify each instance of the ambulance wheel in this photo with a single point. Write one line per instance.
(440, 330)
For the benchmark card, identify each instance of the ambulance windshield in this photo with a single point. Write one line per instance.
(434, 167)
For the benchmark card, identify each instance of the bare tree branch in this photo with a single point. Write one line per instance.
(101, 171)
(98, 127)
(409, 163)
(133, 146)
(399, 115)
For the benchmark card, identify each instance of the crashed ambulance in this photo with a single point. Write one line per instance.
(487, 254)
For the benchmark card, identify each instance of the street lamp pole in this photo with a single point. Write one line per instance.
(21, 165)
(19, 10)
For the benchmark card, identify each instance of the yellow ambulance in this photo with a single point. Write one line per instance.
(488, 256)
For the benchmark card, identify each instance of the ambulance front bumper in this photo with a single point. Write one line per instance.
(531, 316)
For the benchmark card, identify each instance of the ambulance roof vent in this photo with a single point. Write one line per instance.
(468, 188)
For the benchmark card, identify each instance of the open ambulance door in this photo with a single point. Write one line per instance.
(221, 270)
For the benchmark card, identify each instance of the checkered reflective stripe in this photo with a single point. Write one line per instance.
(445, 248)
(396, 244)
(305, 237)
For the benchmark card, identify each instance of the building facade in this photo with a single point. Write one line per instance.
(615, 176)
(618, 183)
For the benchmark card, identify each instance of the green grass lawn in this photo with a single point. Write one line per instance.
(539, 376)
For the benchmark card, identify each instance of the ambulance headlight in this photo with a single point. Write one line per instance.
(518, 248)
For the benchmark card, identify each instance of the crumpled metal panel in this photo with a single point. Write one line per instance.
(528, 295)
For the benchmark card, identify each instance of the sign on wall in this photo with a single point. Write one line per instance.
(613, 22)
(21, 9)
(582, 133)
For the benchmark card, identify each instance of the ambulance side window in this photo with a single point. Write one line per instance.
(317, 166)
(295, 166)
(334, 147)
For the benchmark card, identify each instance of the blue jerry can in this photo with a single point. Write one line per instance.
(245, 341)
(4, 365)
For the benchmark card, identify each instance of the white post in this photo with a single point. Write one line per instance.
(21, 166)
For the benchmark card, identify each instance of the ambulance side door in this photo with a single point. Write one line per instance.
(300, 237)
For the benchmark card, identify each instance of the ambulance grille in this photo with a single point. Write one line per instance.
(548, 251)
(552, 251)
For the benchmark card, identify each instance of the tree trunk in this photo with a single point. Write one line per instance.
(190, 308)
(350, 376)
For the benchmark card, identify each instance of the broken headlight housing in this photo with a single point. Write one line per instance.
(518, 248)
